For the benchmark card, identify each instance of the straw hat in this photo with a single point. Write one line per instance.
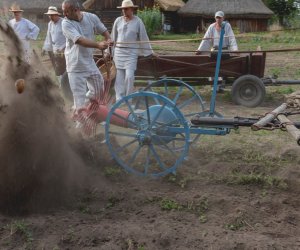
(15, 8)
(52, 11)
(127, 4)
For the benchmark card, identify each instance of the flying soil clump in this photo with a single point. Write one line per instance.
(39, 163)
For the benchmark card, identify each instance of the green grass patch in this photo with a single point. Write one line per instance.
(256, 179)
(198, 208)
(169, 204)
(112, 171)
(285, 90)
(21, 228)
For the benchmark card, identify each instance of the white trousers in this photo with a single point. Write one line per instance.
(83, 81)
(26, 50)
(124, 83)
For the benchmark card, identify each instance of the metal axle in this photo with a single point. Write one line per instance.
(233, 122)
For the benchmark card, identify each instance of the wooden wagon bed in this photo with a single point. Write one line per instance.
(201, 66)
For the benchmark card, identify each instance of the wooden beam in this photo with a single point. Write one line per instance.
(87, 4)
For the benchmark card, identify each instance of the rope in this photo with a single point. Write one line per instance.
(231, 52)
(206, 38)
(174, 40)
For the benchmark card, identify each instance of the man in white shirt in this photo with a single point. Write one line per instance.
(128, 29)
(55, 44)
(25, 30)
(212, 36)
(79, 29)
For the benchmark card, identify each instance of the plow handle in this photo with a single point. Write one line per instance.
(290, 127)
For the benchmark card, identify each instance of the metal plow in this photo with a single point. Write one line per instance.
(149, 134)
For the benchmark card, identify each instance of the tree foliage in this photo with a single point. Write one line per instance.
(283, 9)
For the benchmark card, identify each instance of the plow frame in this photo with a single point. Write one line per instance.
(161, 124)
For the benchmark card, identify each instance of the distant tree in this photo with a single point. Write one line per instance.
(283, 9)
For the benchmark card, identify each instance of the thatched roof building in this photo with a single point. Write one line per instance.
(107, 9)
(34, 4)
(246, 15)
(170, 5)
(170, 16)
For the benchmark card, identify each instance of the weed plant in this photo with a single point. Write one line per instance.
(152, 19)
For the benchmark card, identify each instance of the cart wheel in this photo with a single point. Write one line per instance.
(154, 139)
(186, 99)
(248, 90)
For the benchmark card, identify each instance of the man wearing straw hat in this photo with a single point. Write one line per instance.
(212, 36)
(55, 44)
(79, 29)
(25, 30)
(131, 40)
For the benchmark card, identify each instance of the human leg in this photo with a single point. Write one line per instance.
(95, 84)
(65, 86)
(120, 87)
(78, 86)
(129, 81)
(26, 50)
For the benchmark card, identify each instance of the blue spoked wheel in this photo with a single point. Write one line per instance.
(155, 137)
(186, 99)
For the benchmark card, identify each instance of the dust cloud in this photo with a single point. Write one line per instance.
(40, 166)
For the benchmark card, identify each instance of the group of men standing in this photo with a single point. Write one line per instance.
(70, 42)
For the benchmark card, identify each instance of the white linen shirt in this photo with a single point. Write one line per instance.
(55, 40)
(79, 58)
(228, 41)
(25, 29)
(129, 31)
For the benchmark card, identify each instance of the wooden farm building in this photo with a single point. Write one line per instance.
(169, 9)
(245, 15)
(107, 10)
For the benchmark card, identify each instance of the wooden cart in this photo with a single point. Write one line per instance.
(244, 71)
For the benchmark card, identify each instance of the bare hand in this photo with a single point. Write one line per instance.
(110, 42)
(103, 45)
(153, 55)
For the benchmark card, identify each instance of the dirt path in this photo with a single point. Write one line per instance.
(235, 192)
(240, 191)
